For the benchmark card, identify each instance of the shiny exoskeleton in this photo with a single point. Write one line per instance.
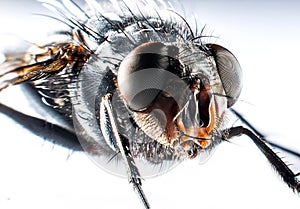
(136, 85)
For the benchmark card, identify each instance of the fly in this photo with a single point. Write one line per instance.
(134, 85)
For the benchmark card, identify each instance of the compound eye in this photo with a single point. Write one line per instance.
(229, 70)
(140, 89)
(144, 74)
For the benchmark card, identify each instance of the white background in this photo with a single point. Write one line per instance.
(265, 38)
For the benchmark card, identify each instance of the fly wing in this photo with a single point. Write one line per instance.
(24, 62)
(13, 54)
(39, 62)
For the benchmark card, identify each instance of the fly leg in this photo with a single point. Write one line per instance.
(46, 130)
(288, 176)
(297, 154)
(122, 146)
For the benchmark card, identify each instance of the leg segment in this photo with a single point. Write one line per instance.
(122, 144)
(297, 154)
(48, 131)
(284, 171)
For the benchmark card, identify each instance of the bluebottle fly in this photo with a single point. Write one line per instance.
(138, 89)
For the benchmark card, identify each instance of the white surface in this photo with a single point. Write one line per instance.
(264, 37)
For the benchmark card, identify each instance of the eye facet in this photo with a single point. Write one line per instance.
(146, 72)
(229, 70)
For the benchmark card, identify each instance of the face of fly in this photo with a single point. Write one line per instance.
(170, 90)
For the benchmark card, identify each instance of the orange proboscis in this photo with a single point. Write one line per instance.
(202, 132)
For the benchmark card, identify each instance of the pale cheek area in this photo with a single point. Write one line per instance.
(265, 38)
